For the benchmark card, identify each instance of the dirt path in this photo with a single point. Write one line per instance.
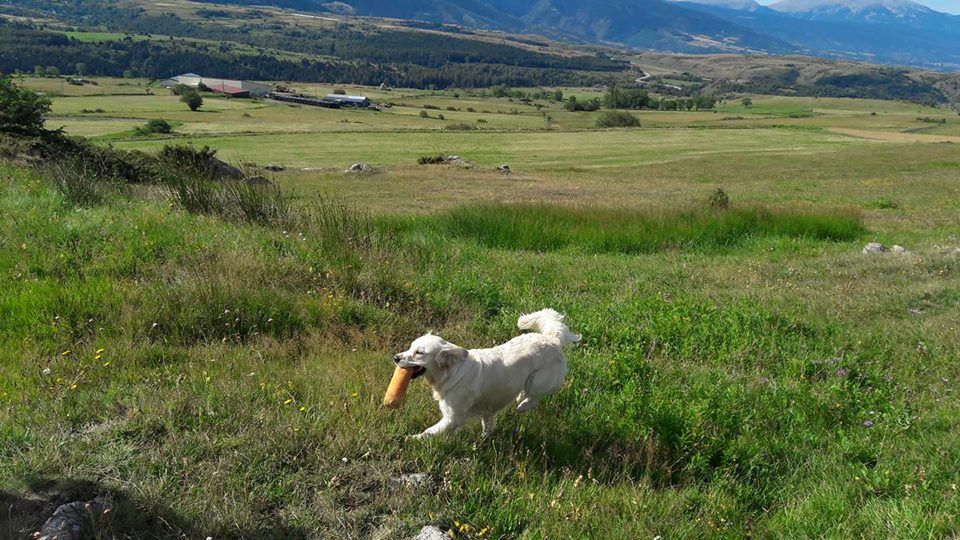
(895, 136)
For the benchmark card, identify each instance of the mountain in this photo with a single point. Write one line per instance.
(654, 24)
(870, 11)
(881, 31)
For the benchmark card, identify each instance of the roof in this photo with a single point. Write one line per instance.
(341, 97)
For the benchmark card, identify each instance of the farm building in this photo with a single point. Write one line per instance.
(347, 101)
(240, 89)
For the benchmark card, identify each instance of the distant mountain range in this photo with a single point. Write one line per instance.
(882, 31)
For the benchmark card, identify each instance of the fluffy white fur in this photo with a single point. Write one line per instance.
(479, 382)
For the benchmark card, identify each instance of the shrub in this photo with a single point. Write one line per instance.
(430, 160)
(424, 114)
(21, 109)
(193, 161)
(719, 200)
(610, 119)
(236, 200)
(155, 126)
(883, 203)
(191, 97)
(460, 126)
(431, 107)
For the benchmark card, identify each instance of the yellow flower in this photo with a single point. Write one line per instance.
(105, 364)
(355, 394)
(66, 352)
(73, 386)
(302, 409)
(287, 402)
(100, 351)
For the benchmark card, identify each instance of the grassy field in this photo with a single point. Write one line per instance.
(744, 372)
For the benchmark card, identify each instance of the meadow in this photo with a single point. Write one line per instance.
(745, 370)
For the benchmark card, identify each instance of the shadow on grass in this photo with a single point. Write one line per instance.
(23, 514)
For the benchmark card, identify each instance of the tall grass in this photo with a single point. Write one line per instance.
(236, 200)
(598, 230)
(79, 182)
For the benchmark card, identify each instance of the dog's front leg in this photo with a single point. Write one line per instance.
(445, 425)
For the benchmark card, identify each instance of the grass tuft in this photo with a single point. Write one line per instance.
(597, 230)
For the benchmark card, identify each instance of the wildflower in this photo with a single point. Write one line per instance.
(868, 423)
(106, 364)
(355, 394)
(100, 351)
(287, 402)
(66, 352)
(302, 409)
(46, 371)
(73, 386)
(841, 372)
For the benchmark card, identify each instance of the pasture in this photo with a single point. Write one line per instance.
(745, 371)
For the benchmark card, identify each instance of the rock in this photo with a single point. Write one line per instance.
(898, 249)
(360, 168)
(458, 161)
(430, 532)
(274, 167)
(74, 521)
(874, 247)
(504, 169)
(222, 169)
(415, 481)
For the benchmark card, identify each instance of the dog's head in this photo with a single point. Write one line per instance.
(432, 356)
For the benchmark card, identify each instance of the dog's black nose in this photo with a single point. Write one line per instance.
(396, 359)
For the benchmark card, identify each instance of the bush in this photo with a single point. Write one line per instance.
(155, 126)
(191, 97)
(609, 119)
(461, 126)
(431, 107)
(21, 109)
(199, 162)
(236, 200)
(430, 160)
(719, 200)
(424, 114)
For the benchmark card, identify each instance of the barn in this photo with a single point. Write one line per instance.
(347, 101)
(227, 87)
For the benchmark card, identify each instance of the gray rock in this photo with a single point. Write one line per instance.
(431, 533)
(898, 249)
(360, 168)
(415, 481)
(458, 161)
(74, 521)
(504, 169)
(874, 247)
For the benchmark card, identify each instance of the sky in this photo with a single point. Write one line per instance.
(947, 6)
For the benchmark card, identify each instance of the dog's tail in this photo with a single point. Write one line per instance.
(549, 323)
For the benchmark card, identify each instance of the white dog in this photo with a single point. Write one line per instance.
(480, 382)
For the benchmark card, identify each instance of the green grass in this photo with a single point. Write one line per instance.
(600, 230)
(730, 363)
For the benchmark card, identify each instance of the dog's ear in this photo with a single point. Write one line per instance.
(449, 357)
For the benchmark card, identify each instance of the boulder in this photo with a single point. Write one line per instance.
(458, 161)
(504, 169)
(898, 249)
(874, 247)
(360, 168)
(430, 532)
(74, 521)
(414, 481)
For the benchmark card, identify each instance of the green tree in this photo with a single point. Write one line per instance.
(52, 72)
(81, 69)
(21, 109)
(746, 102)
(39, 71)
(192, 98)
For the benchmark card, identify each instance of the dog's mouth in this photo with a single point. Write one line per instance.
(417, 371)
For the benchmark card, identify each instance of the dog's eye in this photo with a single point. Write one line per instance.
(418, 353)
